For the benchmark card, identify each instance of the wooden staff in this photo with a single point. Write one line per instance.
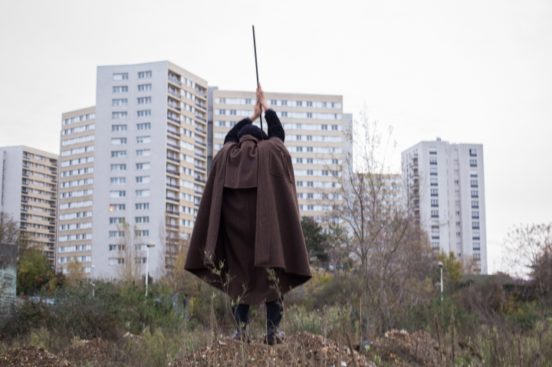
(257, 69)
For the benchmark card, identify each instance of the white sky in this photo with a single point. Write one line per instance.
(466, 71)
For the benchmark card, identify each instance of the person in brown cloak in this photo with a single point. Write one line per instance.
(247, 239)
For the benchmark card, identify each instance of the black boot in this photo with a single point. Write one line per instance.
(241, 318)
(274, 313)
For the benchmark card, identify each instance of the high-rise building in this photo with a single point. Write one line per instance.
(446, 190)
(315, 128)
(28, 186)
(76, 165)
(149, 167)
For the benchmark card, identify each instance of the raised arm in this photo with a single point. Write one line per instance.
(275, 128)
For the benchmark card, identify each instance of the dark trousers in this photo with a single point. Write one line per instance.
(274, 313)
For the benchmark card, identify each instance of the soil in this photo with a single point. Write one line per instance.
(395, 349)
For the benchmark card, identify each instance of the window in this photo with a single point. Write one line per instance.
(434, 203)
(433, 161)
(142, 233)
(120, 89)
(143, 152)
(113, 234)
(143, 126)
(434, 192)
(143, 166)
(118, 180)
(475, 214)
(117, 193)
(475, 225)
(118, 153)
(143, 113)
(116, 207)
(118, 167)
(433, 181)
(473, 162)
(144, 87)
(116, 220)
(143, 219)
(475, 204)
(473, 152)
(143, 139)
(118, 141)
(142, 179)
(435, 214)
(117, 115)
(142, 193)
(474, 194)
(144, 74)
(142, 206)
(120, 76)
(119, 102)
(119, 127)
(144, 100)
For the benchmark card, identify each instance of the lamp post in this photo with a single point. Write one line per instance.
(440, 264)
(147, 266)
(92, 280)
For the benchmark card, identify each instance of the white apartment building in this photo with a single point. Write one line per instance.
(446, 190)
(28, 186)
(149, 166)
(76, 184)
(315, 128)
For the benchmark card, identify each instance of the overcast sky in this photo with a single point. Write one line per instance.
(466, 71)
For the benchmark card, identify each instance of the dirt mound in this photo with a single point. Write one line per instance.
(31, 357)
(302, 349)
(399, 348)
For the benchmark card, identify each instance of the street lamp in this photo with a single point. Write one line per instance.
(92, 280)
(440, 264)
(147, 265)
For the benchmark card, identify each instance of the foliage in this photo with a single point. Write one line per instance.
(316, 240)
(33, 271)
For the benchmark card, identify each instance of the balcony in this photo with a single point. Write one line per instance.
(173, 118)
(173, 159)
(174, 92)
(173, 131)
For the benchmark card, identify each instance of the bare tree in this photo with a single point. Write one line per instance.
(525, 245)
(9, 230)
(393, 255)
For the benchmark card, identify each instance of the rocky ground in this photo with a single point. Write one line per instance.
(396, 348)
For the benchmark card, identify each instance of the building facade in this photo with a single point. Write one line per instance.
(446, 191)
(28, 191)
(149, 166)
(76, 184)
(315, 128)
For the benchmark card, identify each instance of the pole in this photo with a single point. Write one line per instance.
(441, 271)
(147, 270)
(93, 282)
(257, 68)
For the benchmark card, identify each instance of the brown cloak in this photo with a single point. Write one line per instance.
(278, 242)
